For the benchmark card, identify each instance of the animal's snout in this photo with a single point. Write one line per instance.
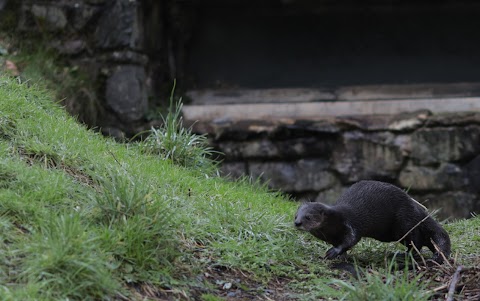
(298, 224)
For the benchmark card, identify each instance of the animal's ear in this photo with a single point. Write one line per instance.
(322, 211)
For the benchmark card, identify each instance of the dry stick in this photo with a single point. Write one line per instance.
(453, 284)
(420, 254)
(419, 204)
(413, 228)
(440, 288)
(441, 253)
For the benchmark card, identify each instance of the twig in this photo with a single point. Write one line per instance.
(453, 284)
(440, 288)
(419, 204)
(445, 259)
(413, 228)
(420, 254)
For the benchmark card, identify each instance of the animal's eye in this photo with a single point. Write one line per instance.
(308, 218)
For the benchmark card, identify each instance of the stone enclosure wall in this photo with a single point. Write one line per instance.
(435, 157)
(129, 50)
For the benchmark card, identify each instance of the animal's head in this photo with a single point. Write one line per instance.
(310, 216)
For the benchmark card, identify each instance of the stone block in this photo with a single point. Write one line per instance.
(233, 170)
(454, 119)
(3, 3)
(82, 14)
(421, 178)
(249, 149)
(52, 16)
(71, 47)
(126, 94)
(98, 1)
(331, 195)
(369, 156)
(299, 176)
(445, 144)
(402, 122)
(472, 169)
(119, 26)
(284, 149)
(306, 128)
(451, 204)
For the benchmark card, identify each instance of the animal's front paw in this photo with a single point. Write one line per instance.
(332, 253)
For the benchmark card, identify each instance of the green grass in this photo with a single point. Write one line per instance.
(83, 217)
(173, 142)
(38, 63)
(391, 284)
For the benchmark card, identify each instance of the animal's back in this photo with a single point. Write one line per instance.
(379, 210)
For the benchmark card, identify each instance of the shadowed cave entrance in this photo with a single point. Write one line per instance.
(274, 44)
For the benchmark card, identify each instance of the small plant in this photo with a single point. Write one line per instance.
(123, 197)
(67, 262)
(137, 227)
(172, 141)
(393, 285)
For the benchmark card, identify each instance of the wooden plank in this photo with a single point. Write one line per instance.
(282, 95)
(312, 110)
(411, 91)
(346, 93)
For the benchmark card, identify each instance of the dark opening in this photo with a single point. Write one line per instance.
(332, 43)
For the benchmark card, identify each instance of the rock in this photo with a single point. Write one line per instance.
(452, 204)
(71, 47)
(126, 56)
(457, 118)
(233, 170)
(97, 1)
(435, 145)
(119, 26)
(306, 128)
(402, 122)
(226, 129)
(82, 15)
(54, 17)
(408, 121)
(331, 195)
(420, 178)
(277, 149)
(126, 93)
(472, 169)
(369, 156)
(2, 4)
(302, 175)
(249, 149)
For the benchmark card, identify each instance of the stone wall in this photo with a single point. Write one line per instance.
(123, 46)
(435, 157)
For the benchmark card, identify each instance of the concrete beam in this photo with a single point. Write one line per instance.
(313, 110)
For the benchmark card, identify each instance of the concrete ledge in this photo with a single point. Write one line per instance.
(313, 110)
(342, 93)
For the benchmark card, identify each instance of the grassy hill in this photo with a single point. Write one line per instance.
(83, 217)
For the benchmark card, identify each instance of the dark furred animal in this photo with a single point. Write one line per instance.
(373, 209)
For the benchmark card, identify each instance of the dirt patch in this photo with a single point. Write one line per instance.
(220, 282)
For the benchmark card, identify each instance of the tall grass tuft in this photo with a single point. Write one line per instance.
(67, 261)
(136, 226)
(172, 141)
(392, 285)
